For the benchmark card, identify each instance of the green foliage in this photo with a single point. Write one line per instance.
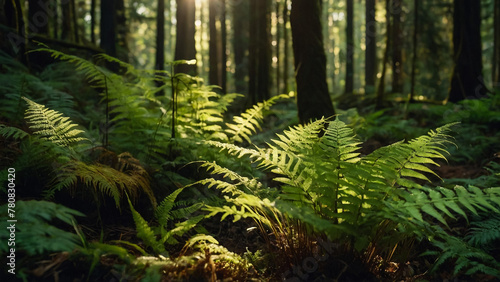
(38, 227)
(156, 237)
(52, 125)
(357, 200)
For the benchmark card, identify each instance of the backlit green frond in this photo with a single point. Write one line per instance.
(248, 123)
(145, 233)
(52, 125)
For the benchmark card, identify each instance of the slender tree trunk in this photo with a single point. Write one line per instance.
(240, 14)
(278, 47)
(286, 47)
(223, 47)
(122, 31)
(214, 57)
(415, 43)
(467, 81)
(313, 98)
(66, 30)
(160, 36)
(495, 74)
(349, 79)
(371, 47)
(108, 27)
(253, 52)
(14, 18)
(185, 48)
(381, 84)
(75, 21)
(92, 21)
(397, 43)
(55, 25)
(264, 46)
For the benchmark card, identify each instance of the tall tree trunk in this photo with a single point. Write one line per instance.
(55, 22)
(122, 31)
(495, 74)
(264, 46)
(240, 14)
(223, 46)
(349, 73)
(214, 75)
(66, 28)
(185, 48)
(381, 84)
(108, 27)
(467, 79)
(74, 17)
(160, 36)
(38, 17)
(397, 44)
(14, 18)
(92, 21)
(415, 43)
(286, 47)
(371, 47)
(278, 46)
(313, 98)
(259, 61)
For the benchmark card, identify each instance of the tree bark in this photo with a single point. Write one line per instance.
(495, 74)
(122, 31)
(240, 44)
(313, 98)
(286, 47)
(259, 61)
(467, 81)
(349, 73)
(92, 21)
(160, 36)
(108, 27)
(185, 48)
(397, 44)
(381, 84)
(415, 43)
(66, 30)
(371, 47)
(38, 17)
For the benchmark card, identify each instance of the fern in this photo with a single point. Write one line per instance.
(249, 122)
(37, 229)
(52, 125)
(157, 237)
(484, 231)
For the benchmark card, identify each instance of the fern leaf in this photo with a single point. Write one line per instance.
(51, 125)
(145, 233)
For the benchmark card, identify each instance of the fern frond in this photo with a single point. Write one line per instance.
(12, 132)
(485, 231)
(467, 258)
(103, 179)
(249, 122)
(145, 232)
(36, 233)
(52, 125)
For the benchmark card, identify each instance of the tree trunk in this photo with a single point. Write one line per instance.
(397, 44)
(286, 47)
(495, 74)
(185, 48)
(92, 21)
(38, 18)
(349, 73)
(240, 44)
(371, 47)
(122, 31)
(264, 47)
(160, 36)
(467, 79)
(381, 84)
(108, 27)
(278, 46)
(313, 99)
(214, 55)
(66, 30)
(74, 17)
(415, 43)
